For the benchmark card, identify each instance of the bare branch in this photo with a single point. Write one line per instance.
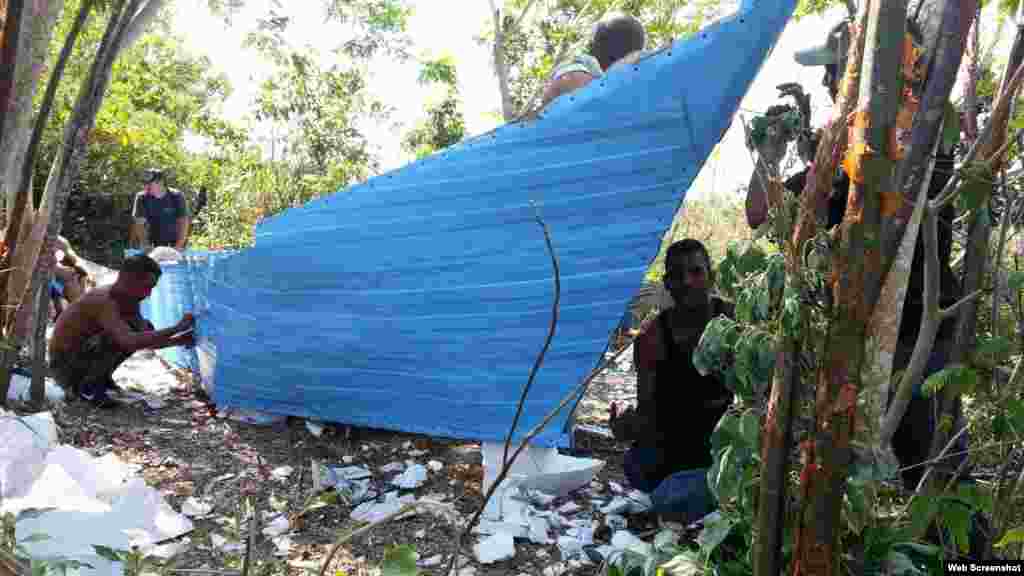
(926, 335)
(955, 307)
(547, 341)
(522, 15)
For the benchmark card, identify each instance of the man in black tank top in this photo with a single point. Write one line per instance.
(677, 408)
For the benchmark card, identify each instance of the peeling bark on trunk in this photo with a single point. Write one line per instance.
(870, 166)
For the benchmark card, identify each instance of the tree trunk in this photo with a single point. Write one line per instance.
(870, 161)
(38, 388)
(33, 50)
(9, 58)
(24, 260)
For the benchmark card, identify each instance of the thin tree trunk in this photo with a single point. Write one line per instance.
(37, 391)
(9, 57)
(20, 265)
(823, 479)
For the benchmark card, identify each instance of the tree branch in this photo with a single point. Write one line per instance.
(926, 335)
(139, 22)
(547, 341)
(955, 307)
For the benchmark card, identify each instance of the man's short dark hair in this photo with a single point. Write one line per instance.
(140, 264)
(687, 246)
(152, 175)
(616, 38)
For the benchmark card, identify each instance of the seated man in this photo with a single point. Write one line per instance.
(613, 40)
(677, 408)
(99, 331)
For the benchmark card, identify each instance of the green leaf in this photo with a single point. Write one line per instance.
(898, 564)
(108, 553)
(665, 539)
(950, 126)
(1012, 536)
(976, 187)
(399, 561)
(37, 537)
(1015, 280)
(682, 564)
(959, 379)
(714, 533)
(40, 567)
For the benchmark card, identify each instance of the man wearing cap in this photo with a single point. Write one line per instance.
(160, 212)
(614, 40)
(912, 440)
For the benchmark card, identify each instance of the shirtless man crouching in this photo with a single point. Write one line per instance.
(100, 330)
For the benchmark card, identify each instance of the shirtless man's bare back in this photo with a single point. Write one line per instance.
(100, 330)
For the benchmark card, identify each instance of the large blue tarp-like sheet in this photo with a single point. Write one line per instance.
(419, 300)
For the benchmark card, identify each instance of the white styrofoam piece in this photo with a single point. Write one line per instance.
(495, 548)
(373, 511)
(540, 468)
(26, 440)
(412, 477)
(21, 386)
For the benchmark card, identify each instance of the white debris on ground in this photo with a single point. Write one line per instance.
(92, 501)
(21, 385)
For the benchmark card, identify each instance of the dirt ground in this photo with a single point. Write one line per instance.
(184, 449)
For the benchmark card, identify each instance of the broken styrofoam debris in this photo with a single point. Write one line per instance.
(616, 487)
(539, 498)
(282, 472)
(538, 531)
(351, 482)
(569, 508)
(435, 466)
(555, 569)
(315, 428)
(194, 507)
(466, 571)
(615, 522)
(27, 440)
(282, 545)
(412, 477)
(569, 547)
(221, 543)
(635, 502)
(407, 445)
(540, 468)
(347, 459)
(418, 453)
(19, 390)
(420, 534)
(392, 467)
(490, 528)
(277, 527)
(582, 532)
(624, 540)
(373, 511)
(496, 548)
(431, 562)
(542, 554)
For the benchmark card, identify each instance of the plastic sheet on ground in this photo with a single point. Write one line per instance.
(94, 501)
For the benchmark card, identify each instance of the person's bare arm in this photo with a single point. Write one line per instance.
(564, 84)
(183, 229)
(130, 341)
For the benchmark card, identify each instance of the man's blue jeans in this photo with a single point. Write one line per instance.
(681, 497)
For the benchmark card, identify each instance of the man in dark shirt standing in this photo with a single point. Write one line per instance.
(161, 215)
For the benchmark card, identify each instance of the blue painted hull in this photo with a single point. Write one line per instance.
(419, 300)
